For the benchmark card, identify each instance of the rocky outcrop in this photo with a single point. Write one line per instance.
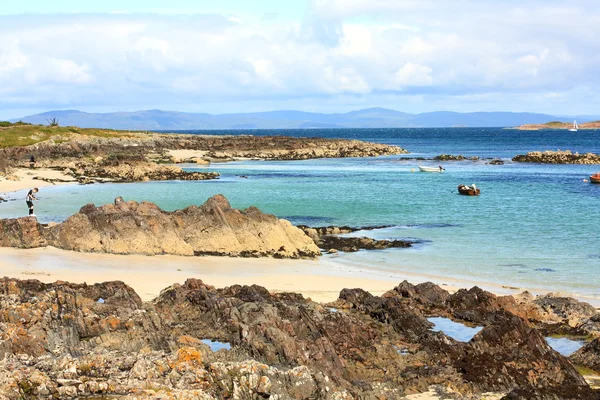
(221, 147)
(126, 169)
(350, 244)
(452, 157)
(554, 314)
(588, 355)
(143, 228)
(66, 341)
(558, 157)
(25, 233)
(326, 237)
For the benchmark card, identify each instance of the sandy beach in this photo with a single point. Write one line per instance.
(148, 275)
(321, 280)
(25, 179)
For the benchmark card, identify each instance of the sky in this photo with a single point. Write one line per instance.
(311, 55)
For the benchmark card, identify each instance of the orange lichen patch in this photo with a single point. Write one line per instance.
(188, 340)
(111, 323)
(187, 357)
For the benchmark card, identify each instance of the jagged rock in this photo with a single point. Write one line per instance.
(476, 305)
(558, 157)
(349, 244)
(561, 315)
(588, 355)
(211, 229)
(426, 294)
(563, 309)
(511, 353)
(143, 228)
(57, 340)
(326, 238)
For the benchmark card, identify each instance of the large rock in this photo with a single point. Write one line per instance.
(211, 229)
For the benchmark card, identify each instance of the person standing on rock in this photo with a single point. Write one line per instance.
(29, 199)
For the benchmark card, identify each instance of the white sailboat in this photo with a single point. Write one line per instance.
(575, 127)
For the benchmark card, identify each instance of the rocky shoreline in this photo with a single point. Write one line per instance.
(66, 341)
(214, 228)
(558, 157)
(139, 157)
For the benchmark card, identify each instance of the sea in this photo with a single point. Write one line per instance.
(534, 226)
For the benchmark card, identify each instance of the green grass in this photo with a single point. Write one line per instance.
(555, 123)
(21, 134)
(586, 371)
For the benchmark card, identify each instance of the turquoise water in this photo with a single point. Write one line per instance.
(533, 226)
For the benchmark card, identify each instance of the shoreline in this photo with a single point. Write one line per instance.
(26, 180)
(321, 279)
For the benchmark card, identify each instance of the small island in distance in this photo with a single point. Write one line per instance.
(559, 125)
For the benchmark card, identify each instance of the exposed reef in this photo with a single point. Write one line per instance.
(65, 341)
(558, 157)
(327, 238)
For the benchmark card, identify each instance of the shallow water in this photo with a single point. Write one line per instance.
(533, 225)
(464, 333)
(215, 345)
(565, 346)
(455, 330)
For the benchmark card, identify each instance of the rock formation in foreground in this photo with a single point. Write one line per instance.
(558, 157)
(66, 340)
(214, 228)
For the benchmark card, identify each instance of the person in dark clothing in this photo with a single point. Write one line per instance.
(31, 161)
(29, 199)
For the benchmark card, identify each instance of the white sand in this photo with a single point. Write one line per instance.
(25, 179)
(321, 280)
(148, 275)
(187, 154)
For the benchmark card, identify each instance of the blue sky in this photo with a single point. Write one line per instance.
(314, 55)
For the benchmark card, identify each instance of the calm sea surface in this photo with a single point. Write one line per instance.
(533, 226)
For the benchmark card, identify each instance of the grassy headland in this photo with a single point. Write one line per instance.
(24, 134)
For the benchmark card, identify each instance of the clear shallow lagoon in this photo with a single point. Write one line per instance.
(533, 226)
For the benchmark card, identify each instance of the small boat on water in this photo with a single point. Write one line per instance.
(575, 127)
(468, 190)
(595, 178)
(431, 169)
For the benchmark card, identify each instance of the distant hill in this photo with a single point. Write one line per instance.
(289, 119)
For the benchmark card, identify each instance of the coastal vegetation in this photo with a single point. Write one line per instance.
(24, 134)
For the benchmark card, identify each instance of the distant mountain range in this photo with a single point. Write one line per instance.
(367, 118)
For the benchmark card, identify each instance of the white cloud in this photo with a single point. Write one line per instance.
(413, 75)
(439, 52)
